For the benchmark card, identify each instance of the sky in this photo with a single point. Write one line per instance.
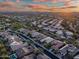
(39, 5)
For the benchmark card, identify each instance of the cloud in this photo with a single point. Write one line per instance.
(45, 8)
(12, 0)
(62, 6)
(69, 7)
(17, 1)
(39, 6)
(40, 0)
(7, 4)
(12, 6)
(50, 0)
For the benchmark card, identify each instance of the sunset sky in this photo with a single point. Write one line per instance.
(39, 5)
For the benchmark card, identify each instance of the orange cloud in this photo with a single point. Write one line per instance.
(40, 0)
(7, 4)
(13, 6)
(18, 1)
(65, 9)
(45, 8)
(38, 6)
(51, 0)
